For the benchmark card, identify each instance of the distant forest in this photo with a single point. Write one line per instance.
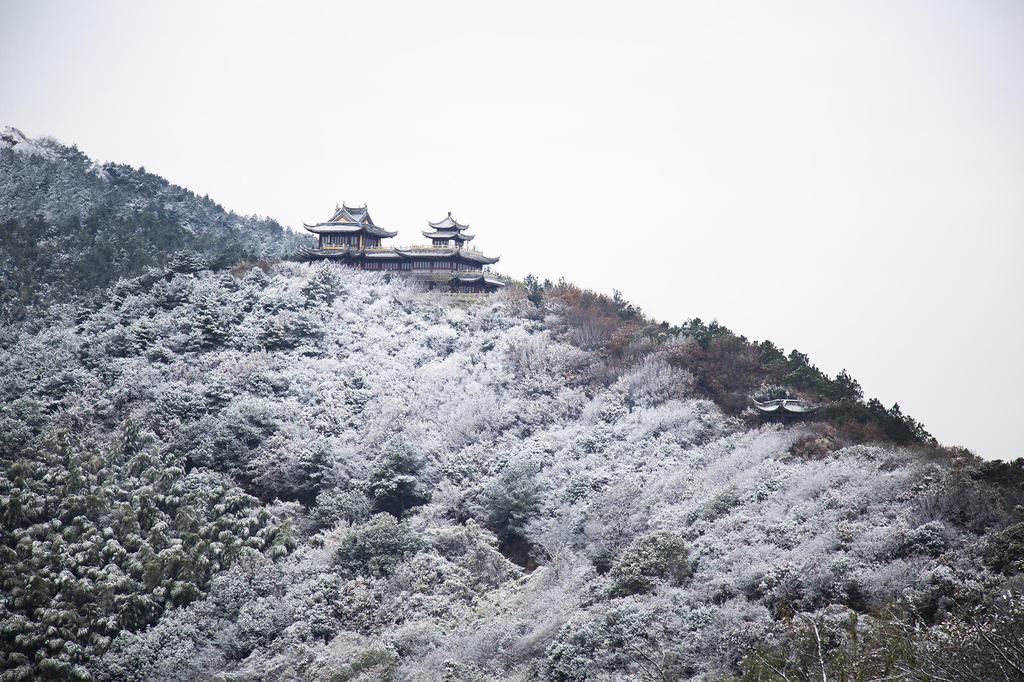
(68, 225)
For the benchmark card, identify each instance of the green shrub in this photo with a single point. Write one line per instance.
(377, 661)
(374, 548)
(333, 507)
(630, 640)
(650, 559)
(507, 505)
(928, 539)
(511, 500)
(395, 484)
(720, 504)
(1006, 550)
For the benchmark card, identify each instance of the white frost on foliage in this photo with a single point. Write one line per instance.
(299, 381)
(13, 139)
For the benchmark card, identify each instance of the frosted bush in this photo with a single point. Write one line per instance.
(268, 412)
(649, 559)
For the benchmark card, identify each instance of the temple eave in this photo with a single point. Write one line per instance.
(448, 234)
(349, 228)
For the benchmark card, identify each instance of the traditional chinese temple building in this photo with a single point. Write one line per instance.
(349, 229)
(351, 238)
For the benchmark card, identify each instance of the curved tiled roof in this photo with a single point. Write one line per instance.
(349, 228)
(477, 279)
(429, 252)
(448, 223)
(426, 252)
(349, 220)
(351, 214)
(784, 405)
(447, 234)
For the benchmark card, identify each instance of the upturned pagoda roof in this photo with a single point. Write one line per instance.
(351, 214)
(349, 228)
(448, 223)
(449, 228)
(350, 220)
(448, 234)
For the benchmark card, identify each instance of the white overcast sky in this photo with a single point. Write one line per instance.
(842, 178)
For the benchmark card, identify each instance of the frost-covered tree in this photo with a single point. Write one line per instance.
(396, 484)
(293, 472)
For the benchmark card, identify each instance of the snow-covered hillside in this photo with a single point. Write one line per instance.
(68, 224)
(300, 472)
(14, 140)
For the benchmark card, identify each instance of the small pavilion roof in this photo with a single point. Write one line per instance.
(448, 223)
(784, 405)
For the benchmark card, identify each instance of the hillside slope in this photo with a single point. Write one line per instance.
(68, 224)
(299, 472)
